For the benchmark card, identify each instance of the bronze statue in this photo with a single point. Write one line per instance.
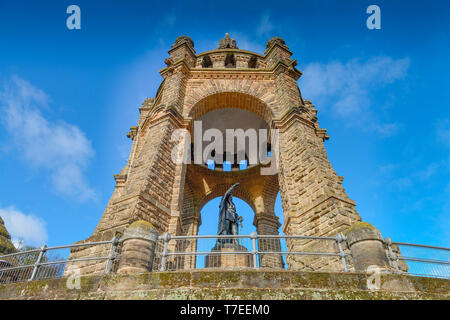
(228, 218)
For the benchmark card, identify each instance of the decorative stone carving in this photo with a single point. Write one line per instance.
(132, 133)
(227, 43)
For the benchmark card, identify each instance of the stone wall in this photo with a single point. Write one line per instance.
(236, 285)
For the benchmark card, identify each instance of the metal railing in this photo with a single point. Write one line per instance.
(252, 251)
(174, 253)
(54, 262)
(418, 259)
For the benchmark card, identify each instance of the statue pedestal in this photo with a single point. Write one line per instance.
(224, 258)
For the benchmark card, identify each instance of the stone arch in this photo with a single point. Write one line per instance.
(231, 100)
(255, 96)
(230, 61)
(220, 189)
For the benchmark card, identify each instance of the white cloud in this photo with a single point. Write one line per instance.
(265, 25)
(394, 174)
(402, 183)
(28, 227)
(346, 88)
(58, 147)
(447, 188)
(443, 132)
(428, 172)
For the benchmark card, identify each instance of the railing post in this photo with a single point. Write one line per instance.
(393, 258)
(254, 251)
(112, 254)
(166, 238)
(138, 249)
(367, 247)
(37, 263)
(339, 239)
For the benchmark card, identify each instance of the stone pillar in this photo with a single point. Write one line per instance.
(314, 200)
(138, 250)
(367, 247)
(190, 228)
(268, 225)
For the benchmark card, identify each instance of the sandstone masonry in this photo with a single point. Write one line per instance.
(170, 196)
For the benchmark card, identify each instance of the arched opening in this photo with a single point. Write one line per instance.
(278, 209)
(252, 62)
(230, 61)
(210, 219)
(210, 216)
(232, 138)
(233, 110)
(206, 62)
(230, 99)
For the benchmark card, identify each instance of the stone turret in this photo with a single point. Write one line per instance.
(6, 245)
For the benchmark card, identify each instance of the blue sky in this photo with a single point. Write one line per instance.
(68, 97)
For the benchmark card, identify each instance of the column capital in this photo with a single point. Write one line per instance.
(262, 218)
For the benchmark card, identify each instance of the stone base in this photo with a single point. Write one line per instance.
(226, 260)
(226, 285)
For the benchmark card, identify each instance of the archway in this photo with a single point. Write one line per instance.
(209, 218)
(227, 99)
(221, 111)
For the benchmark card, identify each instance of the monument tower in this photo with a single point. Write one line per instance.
(228, 88)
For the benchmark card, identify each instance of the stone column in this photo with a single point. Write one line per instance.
(138, 250)
(190, 228)
(367, 247)
(268, 225)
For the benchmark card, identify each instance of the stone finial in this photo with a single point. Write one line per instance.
(6, 246)
(227, 43)
(183, 39)
(275, 40)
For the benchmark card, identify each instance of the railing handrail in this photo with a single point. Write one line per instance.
(56, 247)
(420, 245)
(187, 253)
(31, 265)
(242, 236)
(424, 260)
(255, 251)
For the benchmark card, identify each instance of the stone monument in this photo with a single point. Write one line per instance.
(224, 87)
(222, 253)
